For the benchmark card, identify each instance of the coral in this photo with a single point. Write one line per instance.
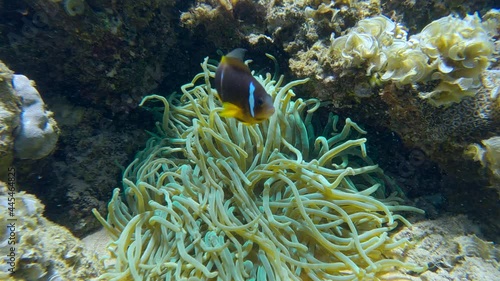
(423, 125)
(399, 75)
(443, 133)
(491, 22)
(382, 84)
(38, 132)
(450, 50)
(42, 249)
(209, 19)
(74, 7)
(312, 55)
(9, 119)
(211, 198)
(417, 14)
(298, 25)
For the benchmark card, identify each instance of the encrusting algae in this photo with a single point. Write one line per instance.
(210, 198)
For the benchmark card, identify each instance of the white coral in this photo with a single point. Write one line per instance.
(37, 136)
(451, 50)
(460, 43)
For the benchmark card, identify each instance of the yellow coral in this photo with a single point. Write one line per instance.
(488, 154)
(448, 92)
(461, 49)
(74, 7)
(404, 63)
(364, 43)
(491, 21)
(492, 154)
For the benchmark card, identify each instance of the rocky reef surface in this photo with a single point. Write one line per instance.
(34, 248)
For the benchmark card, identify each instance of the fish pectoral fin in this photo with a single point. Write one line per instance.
(234, 111)
(231, 110)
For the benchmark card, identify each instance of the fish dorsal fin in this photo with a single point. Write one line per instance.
(235, 60)
(238, 53)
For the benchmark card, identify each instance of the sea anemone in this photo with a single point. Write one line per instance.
(212, 199)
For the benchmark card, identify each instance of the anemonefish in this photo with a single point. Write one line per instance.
(243, 97)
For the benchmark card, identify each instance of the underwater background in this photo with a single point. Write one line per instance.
(395, 135)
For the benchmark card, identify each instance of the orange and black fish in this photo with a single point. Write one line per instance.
(243, 97)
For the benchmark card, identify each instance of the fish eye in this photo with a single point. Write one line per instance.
(260, 101)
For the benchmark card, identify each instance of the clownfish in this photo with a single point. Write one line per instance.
(242, 96)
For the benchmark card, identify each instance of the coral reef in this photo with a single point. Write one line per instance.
(365, 44)
(37, 134)
(86, 166)
(40, 249)
(462, 50)
(271, 26)
(443, 134)
(468, 91)
(211, 198)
